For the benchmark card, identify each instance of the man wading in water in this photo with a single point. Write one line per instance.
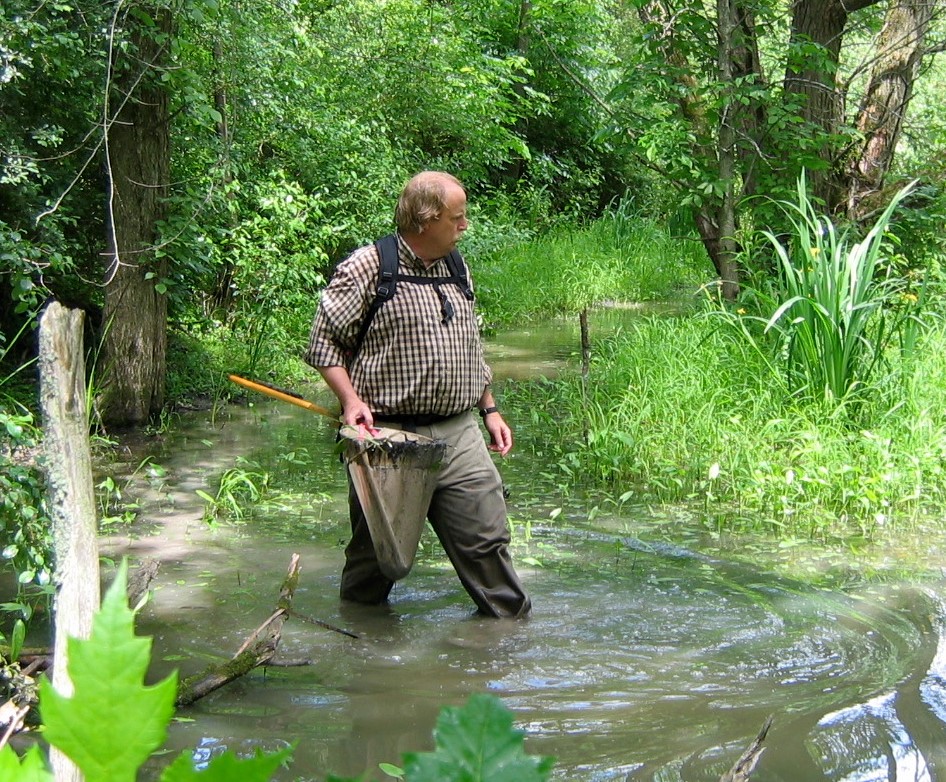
(420, 367)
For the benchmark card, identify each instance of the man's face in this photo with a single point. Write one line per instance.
(443, 233)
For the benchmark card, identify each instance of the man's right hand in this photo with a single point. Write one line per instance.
(357, 412)
(354, 411)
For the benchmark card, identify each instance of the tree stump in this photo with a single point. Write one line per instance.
(71, 493)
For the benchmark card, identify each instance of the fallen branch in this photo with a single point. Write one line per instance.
(747, 761)
(326, 625)
(258, 649)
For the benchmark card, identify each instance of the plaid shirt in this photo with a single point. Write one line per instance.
(411, 362)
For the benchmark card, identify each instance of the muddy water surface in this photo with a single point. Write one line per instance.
(646, 658)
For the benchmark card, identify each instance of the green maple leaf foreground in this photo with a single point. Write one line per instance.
(107, 672)
(113, 722)
(477, 743)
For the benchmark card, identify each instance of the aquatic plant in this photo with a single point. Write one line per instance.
(838, 308)
(239, 489)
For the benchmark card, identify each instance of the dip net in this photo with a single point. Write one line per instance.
(394, 474)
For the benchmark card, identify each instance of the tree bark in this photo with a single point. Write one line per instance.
(71, 494)
(817, 32)
(880, 119)
(727, 267)
(715, 218)
(135, 344)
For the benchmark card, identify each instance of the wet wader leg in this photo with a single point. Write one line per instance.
(362, 579)
(468, 513)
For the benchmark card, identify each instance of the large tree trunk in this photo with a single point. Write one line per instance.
(812, 77)
(135, 314)
(880, 119)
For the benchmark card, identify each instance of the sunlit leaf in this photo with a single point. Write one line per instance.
(477, 743)
(107, 672)
(32, 768)
(226, 768)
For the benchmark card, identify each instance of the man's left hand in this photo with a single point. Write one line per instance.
(500, 434)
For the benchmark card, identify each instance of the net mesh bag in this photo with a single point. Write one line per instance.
(394, 474)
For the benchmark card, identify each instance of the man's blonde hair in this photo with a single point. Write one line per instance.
(422, 200)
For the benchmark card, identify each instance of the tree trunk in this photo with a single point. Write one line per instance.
(726, 152)
(818, 26)
(222, 296)
(135, 316)
(900, 51)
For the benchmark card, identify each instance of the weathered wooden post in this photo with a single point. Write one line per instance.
(71, 493)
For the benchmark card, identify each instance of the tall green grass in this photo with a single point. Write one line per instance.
(684, 410)
(837, 309)
(617, 258)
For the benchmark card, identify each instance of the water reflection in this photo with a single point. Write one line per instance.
(848, 741)
(643, 660)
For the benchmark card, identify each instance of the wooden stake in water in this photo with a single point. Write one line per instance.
(71, 493)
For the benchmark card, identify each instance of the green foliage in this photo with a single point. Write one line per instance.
(477, 743)
(129, 714)
(239, 489)
(113, 721)
(686, 410)
(835, 316)
(24, 519)
(617, 258)
(30, 768)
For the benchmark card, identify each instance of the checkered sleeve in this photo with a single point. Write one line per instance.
(342, 308)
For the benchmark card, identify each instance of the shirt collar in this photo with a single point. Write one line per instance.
(411, 256)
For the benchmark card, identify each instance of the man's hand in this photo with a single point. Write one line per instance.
(354, 411)
(500, 434)
(357, 412)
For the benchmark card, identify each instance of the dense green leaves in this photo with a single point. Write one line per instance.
(31, 768)
(226, 768)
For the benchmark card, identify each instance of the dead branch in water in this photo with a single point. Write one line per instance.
(258, 649)
(747, 761)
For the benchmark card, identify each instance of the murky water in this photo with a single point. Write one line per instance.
(643, 660)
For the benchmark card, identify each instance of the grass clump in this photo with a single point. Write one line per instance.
(682, 410)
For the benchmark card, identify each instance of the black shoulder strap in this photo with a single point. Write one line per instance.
(458, 273)
(387, 283)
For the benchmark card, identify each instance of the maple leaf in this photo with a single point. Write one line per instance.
(226, 768)
(477, 743)
(31, 769)
(107, 673)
